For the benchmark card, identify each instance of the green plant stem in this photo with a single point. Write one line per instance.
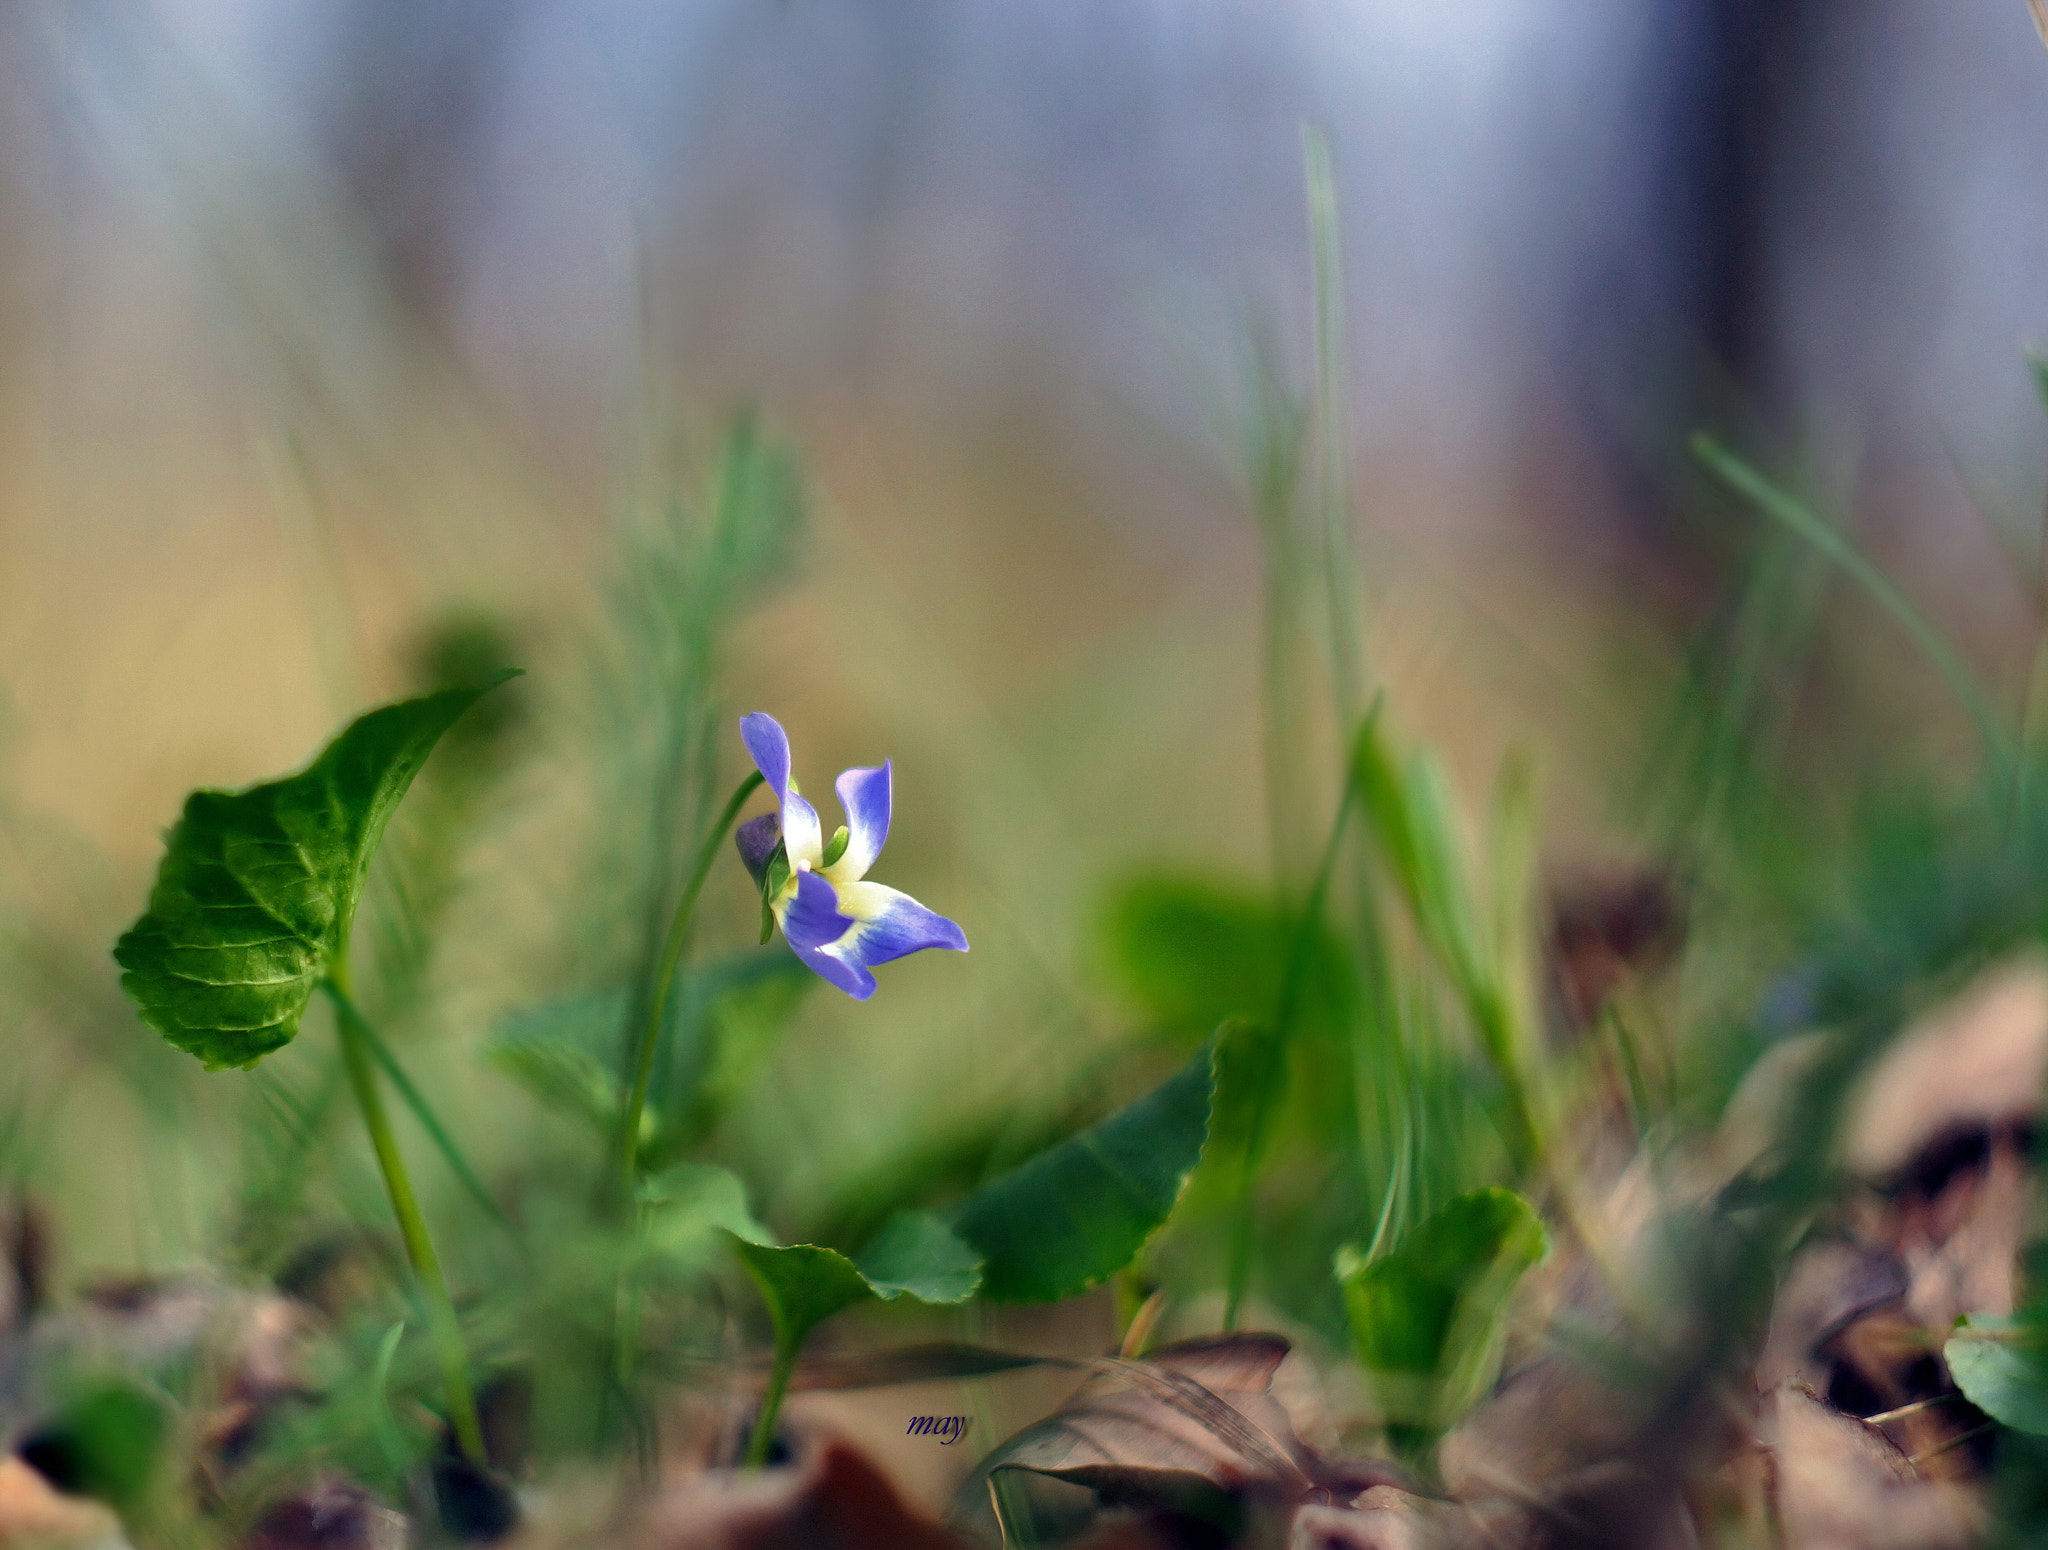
(664, 981)
(430, 1122)
(412, 1226)
(758, 1445)
(1270, 1067)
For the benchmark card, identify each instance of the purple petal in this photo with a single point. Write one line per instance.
(812, 917)
(891, 925)
(865, 794)
(757, 839)
(769, 745)
(849, 977)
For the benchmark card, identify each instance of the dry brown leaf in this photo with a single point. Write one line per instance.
(1830, 1285)
(1203, 1411)
(1844, 1485)
(1977, 1061)
(1386, 1518)
(1188, 1424)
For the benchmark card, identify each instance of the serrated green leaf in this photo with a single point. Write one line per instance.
(2002, 1375)
(1078, 1212)
(258, 888)
(918, 1254)
(1425, 1317)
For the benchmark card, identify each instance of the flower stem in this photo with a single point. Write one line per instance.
(664, 981)
(771, 1400)
(412, 1226)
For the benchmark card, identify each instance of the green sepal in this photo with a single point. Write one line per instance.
(774, 877)
(258, 888)
(836, 846)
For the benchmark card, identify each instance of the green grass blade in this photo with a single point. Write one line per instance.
(430, 1122)
(1782, 506)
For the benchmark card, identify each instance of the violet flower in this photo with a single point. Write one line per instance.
(816, 890)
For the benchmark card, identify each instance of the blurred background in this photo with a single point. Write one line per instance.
(347, 342)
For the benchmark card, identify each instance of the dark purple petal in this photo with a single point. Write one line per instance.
(812, 918)
(757, 839)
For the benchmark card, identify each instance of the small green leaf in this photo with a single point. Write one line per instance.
(1079, 1211)
(2003, 1376)
(914, 1255)
(803, 1285)
(917, 1254)
(1425, 1317)
(545, 1054)
(258, 888)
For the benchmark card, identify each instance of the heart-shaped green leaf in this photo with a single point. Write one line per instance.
(258, 888)
(1078, 1212)
(1425, 1317)
(803, 1285)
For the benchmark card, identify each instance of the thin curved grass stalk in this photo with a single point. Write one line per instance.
(1781, 506)
(430, 1122)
